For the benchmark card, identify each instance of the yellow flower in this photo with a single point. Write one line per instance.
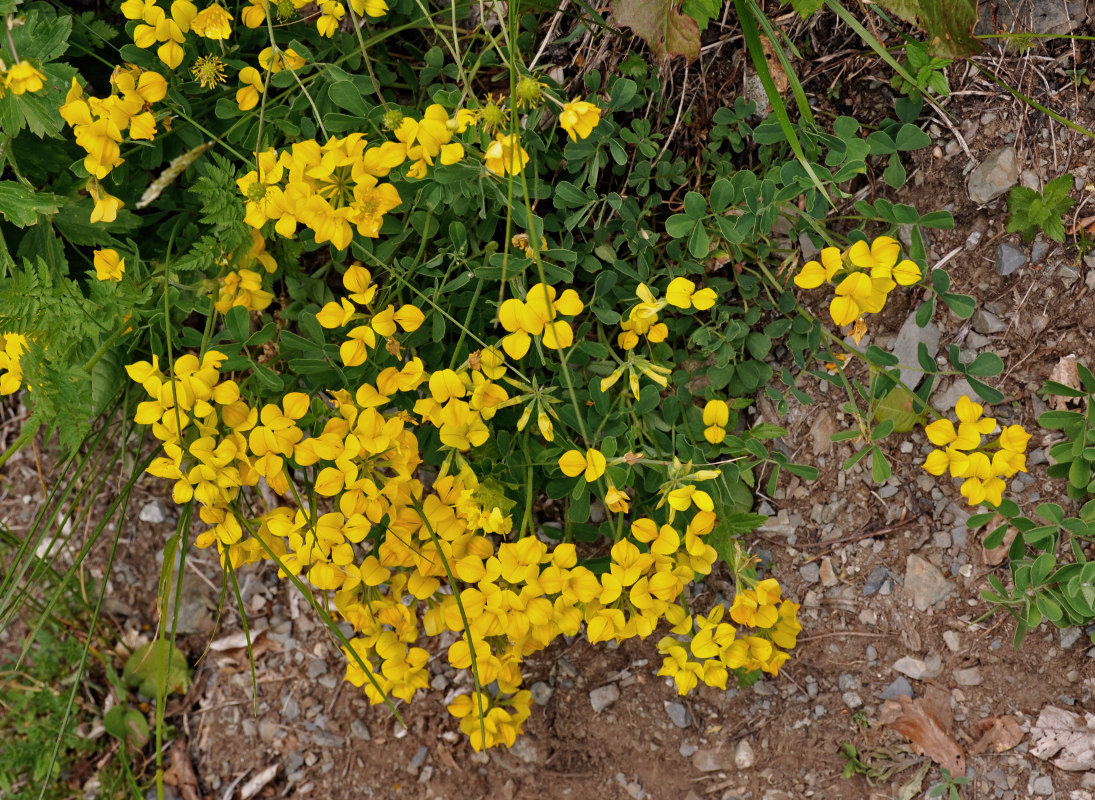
(285, 59)
(505, 155)
(882, 252)
(814, 273)
(616, 500)
(23, 78)
(573, 463)
(106, 205)
(578, 118)
(716, 416)
(213, 23)
(11, 371)
(247, 97)
(108, 265)
(682, 293)
(331, 14)
(372, 8)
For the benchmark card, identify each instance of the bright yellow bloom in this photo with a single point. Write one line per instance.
(214, 22)
(208, 71)
(578, 118)
(372, 8)
(573, 463)
(106, 205)
(505, 155)
(682, 293)
(109, 266)
(23, 78)
(247, 97)
(285, 59)
(814, 273)
(11, 371)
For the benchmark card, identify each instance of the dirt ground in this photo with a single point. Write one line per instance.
(843, 547)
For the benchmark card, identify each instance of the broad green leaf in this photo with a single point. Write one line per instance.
(899, 406)
(666, 31)
(346, 96)
(702, 11)
(128, 726)
(962, 305)
(21, 206)
(948, 23)
(986, 365)
(155, 662)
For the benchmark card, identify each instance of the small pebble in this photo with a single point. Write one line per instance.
(744, 757)
(852, 700)
(952, 640)
(541, 693)
(968, 677)
(687, 749)
(678, 714)
(604, 696)
(810, 572)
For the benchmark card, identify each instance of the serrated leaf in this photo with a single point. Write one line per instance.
(702, 11)
(21, 206)
(666, 31)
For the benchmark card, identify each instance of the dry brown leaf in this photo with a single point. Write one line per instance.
(232, 650)
(996, 555)
(1066, 737)
(1065, 372)
(997, 734)
(180, 773)
(926, 723)
(258, 783)
(779, 77)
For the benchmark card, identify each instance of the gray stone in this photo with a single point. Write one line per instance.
(359, 730)
(900, 687)
(1069, 637)
(1008, 259)
(919, 669)
(316, 668)
(604, 696)
(827, 573)
(847, 682)
(526, 750)
(952, 640)
(687, 749)
(1068, 274)
(744, 757)
(418, 760)
(152, 512)
(925, 584)
(987, 323)
(290, 709)
(541, 693)
(713, 759)
(678, 714)
(971, 676)
(993, 176)
(1042, 786)
(948, 398)
(852, 700)
(875, 580)
(1038, 252)
(809, 572)
(907, 345)
(1053, 17)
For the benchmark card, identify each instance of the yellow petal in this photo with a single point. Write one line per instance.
(572, 463)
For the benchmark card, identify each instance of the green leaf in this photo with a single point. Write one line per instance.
(910, 137)
(128, 726)
(899, 407)
(880, 467)
(157, 663)
(948, 23)
(895, 173)
(986, 365)
(21, 206)
(962, 305)
(1050, 512)
(658, 23)
(984, 391)
(238, 322)
(678, 226)
(703, 11)
(807, 8)
(567, 195)
(346, 96)
(856, 458)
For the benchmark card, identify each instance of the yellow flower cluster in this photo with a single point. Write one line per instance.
(865, 275)
(642, 318)
(21, 78)
(966, 457)
(405, 560)
(331, 189)
(538, 315)
(242, 285)
(331, 12)
(97, 124)
(11, 371)
(363, 338)
(705, 648)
